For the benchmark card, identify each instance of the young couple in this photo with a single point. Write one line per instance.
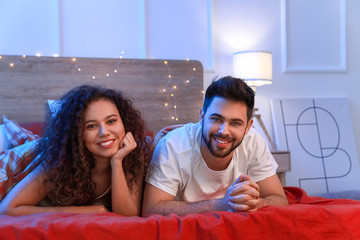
(93, 159)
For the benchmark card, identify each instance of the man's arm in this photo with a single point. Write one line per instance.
(156, 201)
(271, 192)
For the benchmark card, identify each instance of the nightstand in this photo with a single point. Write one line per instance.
(283, 160)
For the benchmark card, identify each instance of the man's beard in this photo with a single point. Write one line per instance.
(213, 150)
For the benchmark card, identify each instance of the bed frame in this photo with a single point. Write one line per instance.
(166, 92)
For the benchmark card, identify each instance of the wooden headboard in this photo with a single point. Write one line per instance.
(166, 92)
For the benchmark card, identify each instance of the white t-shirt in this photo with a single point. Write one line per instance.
(178, 168)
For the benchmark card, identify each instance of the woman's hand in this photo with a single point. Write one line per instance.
(127, 144)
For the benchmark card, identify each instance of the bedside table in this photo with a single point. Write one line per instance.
(283, 160)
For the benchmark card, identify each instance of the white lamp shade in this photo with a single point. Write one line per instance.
(254, 67)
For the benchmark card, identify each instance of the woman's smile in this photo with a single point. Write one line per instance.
(106, 144)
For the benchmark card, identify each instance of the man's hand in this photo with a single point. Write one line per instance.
(165, 131)
(243, 195)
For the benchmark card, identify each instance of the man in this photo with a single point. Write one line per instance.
(217, 164)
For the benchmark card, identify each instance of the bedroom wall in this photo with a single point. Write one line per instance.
(257, 25)
(209, 31)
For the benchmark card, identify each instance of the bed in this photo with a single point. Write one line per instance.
(167, 92)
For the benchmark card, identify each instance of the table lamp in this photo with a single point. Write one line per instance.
(255, 68)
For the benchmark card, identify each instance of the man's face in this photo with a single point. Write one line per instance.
(224, 126)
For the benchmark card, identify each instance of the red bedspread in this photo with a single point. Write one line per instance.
(305, 218)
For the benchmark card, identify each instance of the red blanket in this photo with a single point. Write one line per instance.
(305, 218)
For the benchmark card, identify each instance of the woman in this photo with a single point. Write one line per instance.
(92, 158)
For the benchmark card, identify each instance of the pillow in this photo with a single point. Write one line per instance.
(17, 135)
(34, 127)
(15, 164)
(4, 142)
(54, 105)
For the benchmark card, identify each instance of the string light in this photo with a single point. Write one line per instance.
(170, 88)
(11, 65)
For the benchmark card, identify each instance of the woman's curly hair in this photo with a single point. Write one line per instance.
(66, 161)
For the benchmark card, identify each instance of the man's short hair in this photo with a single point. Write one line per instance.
(230, 88)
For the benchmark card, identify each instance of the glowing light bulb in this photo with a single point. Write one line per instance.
(164, 90)
(73, 59)
(93, 77)
(38, 55)
(173, 117)
(174, 87)
(79, 69)
(175, 106)
(115, 71)
(11, 65)
(172, 94)
(194, 69)
(166, 104)
(24, 56)
(107, 74)
(0, 57)
(56, 55)
(122, 52)
(187, 81)
(187, 59)
(165, 62)
(169, 76)
(176, 119)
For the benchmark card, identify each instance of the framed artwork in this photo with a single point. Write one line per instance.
(319, 134)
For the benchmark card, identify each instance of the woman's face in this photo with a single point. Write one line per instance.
(103, 129)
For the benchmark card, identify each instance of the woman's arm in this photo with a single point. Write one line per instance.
(24, 197)
(124, 201)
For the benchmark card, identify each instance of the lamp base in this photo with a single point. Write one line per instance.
(258, 117)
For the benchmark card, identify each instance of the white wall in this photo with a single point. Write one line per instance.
(207, 30)
(29, 27)
(257, 25)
